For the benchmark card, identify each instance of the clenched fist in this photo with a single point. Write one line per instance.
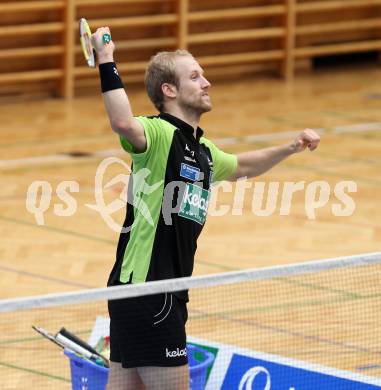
(307, 138)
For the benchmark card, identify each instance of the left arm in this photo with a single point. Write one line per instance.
(254, 163)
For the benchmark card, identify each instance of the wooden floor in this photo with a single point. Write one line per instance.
(58, 141)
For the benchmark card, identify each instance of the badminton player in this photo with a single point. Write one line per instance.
(148, 340)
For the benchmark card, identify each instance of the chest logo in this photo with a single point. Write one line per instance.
(194, 205)
(189, 172)
(188, 150)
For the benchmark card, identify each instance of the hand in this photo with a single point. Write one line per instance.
(307, 138)
(105, 51)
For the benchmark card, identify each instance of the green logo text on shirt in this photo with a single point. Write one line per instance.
(195, 203)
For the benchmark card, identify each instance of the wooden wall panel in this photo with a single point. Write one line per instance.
(40, 37)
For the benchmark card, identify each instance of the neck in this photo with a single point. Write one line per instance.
(192, 118)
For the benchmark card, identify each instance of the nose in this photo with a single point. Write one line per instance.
(205, 82)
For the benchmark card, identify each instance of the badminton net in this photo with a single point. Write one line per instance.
(321, 317)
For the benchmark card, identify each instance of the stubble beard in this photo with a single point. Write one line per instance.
(198, 107)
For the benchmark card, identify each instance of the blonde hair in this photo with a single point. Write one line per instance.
(162, 69)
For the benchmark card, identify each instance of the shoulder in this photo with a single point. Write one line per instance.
(154, 119)
(208, 143)
(154, 123)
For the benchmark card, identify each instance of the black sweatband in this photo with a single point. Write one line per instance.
(109, 77)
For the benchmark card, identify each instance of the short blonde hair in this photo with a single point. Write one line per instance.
(162, 69)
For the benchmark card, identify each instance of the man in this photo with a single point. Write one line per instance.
(148, 334)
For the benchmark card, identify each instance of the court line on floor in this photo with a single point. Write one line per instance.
(279, 330)
(345, 293)
(348, 159)
(65, 157)
(309, 303)
(91, 190)
(58, 230)
(29, 370)
(38, 338)
(299, 119)
(105, 241)
(318, 170)
(61, 141)
(285, 119)
(355, 128)
(36, 372)
(94, 238)
(5, 268)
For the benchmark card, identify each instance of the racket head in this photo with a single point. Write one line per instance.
(47, 335)
(87, 46)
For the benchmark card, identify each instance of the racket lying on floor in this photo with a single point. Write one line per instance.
(87, 46)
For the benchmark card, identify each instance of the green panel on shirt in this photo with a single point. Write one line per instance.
(137, 256)
(224, 164)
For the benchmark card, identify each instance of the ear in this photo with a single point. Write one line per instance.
(169, 90)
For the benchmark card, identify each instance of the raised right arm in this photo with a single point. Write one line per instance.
(114, 96)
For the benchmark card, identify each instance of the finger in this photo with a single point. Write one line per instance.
(302, 144)
(311, 133)
(313, 145)
(311, 137)
(315, 136)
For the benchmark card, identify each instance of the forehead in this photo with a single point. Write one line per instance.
(186, 65)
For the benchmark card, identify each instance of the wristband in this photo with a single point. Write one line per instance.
(109, 77)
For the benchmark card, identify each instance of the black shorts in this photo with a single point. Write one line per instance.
(148, 331)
